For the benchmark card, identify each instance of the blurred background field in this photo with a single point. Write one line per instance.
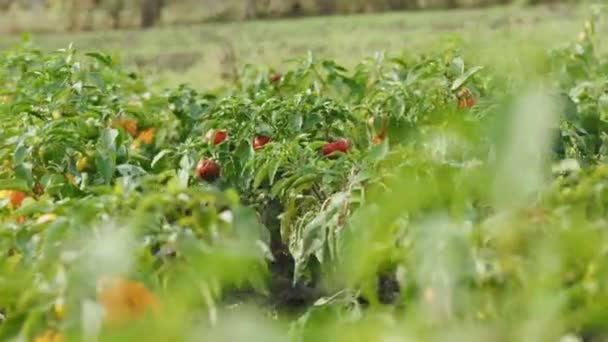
(204, 43)
(455, 192)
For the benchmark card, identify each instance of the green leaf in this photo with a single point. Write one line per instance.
(379, 152)
(24, 171)
(315, 145)
(274, 169)
(52, 183)
(14, 184)
(244, 152)
(282, 184)
(108, 139)
(458, 66)
(103, 58)
(296, 122)
(20, 154)
(247, 225)
(183, 175)
(261, 175)
(106, 165)
(287, 218)
(128, 170)
(35, 208)
(159, 156)
(465, 77)
(303, 182)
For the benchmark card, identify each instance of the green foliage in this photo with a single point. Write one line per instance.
(467, 204)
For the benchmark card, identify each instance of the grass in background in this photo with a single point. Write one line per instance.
(200, 54)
